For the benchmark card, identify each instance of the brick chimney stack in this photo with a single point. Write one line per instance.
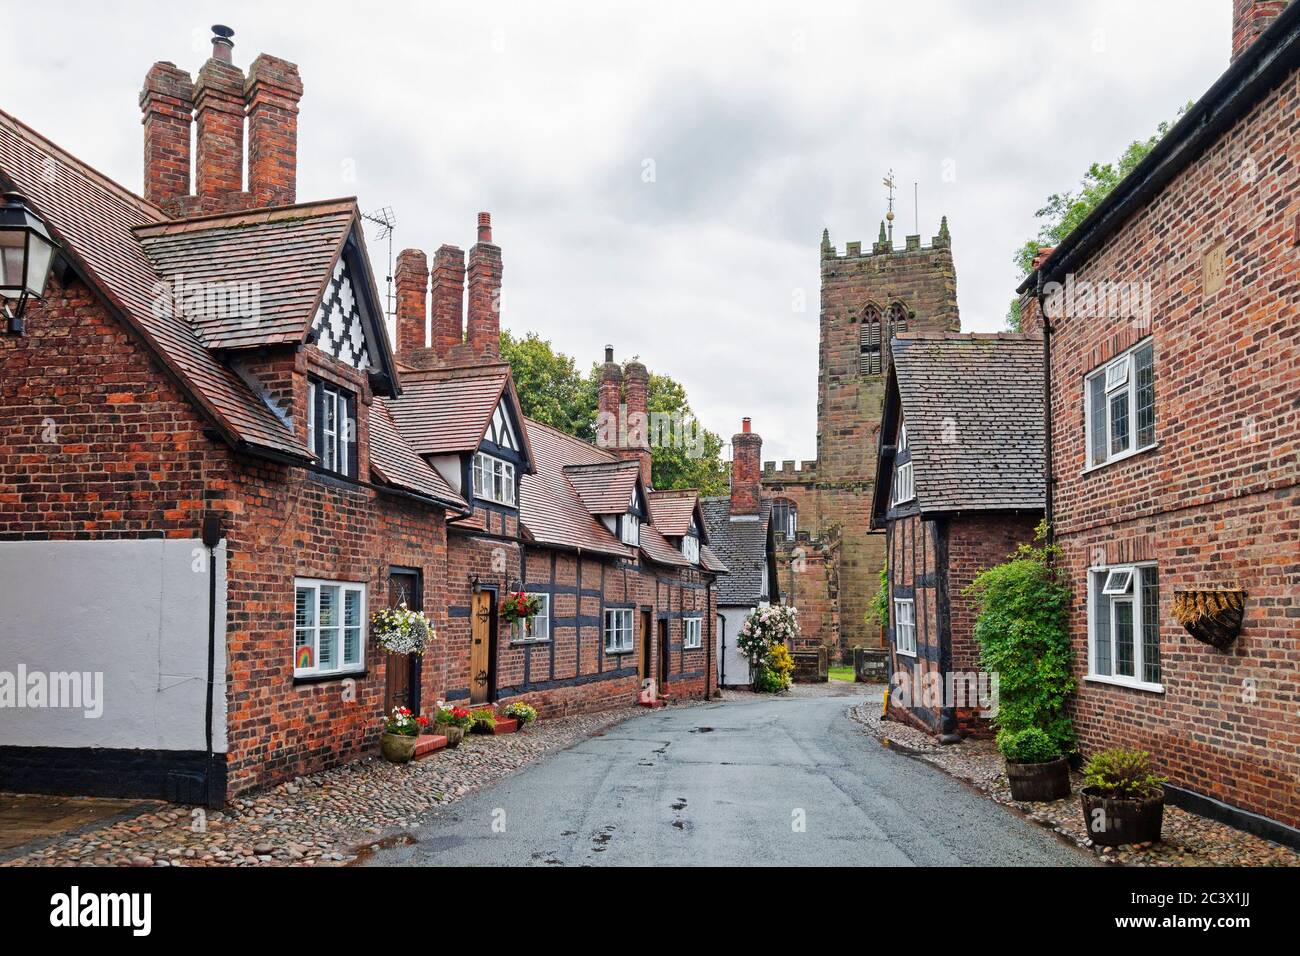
(412, 279)
(272, 94)
(167, 102)
(609, 398)
(1250, 18)
(448, 299)
(219, 112)
(636, 437)
(483, 318)
(746, 471)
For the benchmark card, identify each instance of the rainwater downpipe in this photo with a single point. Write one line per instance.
(1041, 296)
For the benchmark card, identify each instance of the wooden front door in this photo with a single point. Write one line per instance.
(664, 656)
(482, 636)
(647, 630)
(402, 671)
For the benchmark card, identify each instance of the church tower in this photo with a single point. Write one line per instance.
(867, 297)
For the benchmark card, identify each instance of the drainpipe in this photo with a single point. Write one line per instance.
(1047, 409)
(211, 539)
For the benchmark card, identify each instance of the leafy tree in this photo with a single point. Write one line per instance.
(1064, 211)
(554, 392)
(551, 389)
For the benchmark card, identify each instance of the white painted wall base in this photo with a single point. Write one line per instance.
(733, 666)
(132, 614)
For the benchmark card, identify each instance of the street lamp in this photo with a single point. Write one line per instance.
(26, 254)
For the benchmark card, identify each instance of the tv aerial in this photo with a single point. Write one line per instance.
(386, 220)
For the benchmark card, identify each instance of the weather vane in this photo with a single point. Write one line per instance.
(889, 216)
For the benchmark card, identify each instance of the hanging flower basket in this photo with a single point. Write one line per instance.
(400, 630)
(520, 606)
(1212, 616)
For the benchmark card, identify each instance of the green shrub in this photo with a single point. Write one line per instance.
(482, 721)
(1021, 611)
(1122, 774)
(1027, 745)
(878, 610)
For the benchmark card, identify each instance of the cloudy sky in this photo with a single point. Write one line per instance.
(760, 123)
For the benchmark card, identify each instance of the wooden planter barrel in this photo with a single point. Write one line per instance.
(1039, 781)
(1112, 822)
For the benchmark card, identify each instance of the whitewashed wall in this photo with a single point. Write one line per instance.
(136, 611)
(733, 666)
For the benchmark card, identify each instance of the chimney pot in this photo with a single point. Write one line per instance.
(222, 44)
(484, 227)
(609, 353)
(746, 472)
(744, 425)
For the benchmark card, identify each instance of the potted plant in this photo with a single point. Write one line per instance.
(1123, 800)
(400, 630)
(482, 720)
(523, 713)
(451, 723)
(1036, 769)
(401, 731)
(519, 606)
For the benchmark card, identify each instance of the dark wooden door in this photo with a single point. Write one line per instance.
(402, 680)
(647, 632)
(664, 656)
(482, 615)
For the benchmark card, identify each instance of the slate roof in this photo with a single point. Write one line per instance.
(550, 507)
(288, 252)
(605, 487)
(973, 406)
(742, 546)
(396, 463)
(92, 217)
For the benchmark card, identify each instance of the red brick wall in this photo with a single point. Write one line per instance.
(95, 442)
(1215, 503)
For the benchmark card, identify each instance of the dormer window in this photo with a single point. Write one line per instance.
(631, 530)
(494, 479)
(332, 427)
(904, 484)
(691, 548)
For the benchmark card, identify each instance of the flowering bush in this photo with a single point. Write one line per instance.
(482, 721)
(403, 723)
(762, 639)
(454, 716)
(524, 713)
(401, 630)
(520, 606)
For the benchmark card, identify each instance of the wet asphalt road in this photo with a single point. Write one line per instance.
(738, 783)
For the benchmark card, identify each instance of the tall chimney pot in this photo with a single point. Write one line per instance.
(222, 44)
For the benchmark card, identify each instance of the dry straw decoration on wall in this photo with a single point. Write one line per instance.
(1212, 616)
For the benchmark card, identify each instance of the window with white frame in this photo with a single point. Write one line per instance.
(329, 627)
(905, 626)
(1124, 625)
(904, 485)
(618, 630)
(537, 627)
(494, 479)
(1120, 406)
(691, 548)
(692, 627)
(631, 530)
(331, 426)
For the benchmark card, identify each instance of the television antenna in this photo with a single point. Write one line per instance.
(386, 220)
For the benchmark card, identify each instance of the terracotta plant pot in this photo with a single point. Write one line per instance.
(453, 734)
(1113, 822)
(397, 748)
(1039, 781)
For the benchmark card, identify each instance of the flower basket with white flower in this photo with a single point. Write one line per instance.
(400, 630)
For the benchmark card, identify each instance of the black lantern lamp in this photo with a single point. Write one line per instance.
(26, 254)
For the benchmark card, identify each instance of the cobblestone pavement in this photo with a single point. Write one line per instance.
(325, 819)
(1187, 839)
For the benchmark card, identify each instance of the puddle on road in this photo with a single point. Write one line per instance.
(366, 851)
(702, 730)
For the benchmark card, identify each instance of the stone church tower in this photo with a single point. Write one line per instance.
(832, 564)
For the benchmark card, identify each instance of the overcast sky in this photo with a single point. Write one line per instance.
(764, 123)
